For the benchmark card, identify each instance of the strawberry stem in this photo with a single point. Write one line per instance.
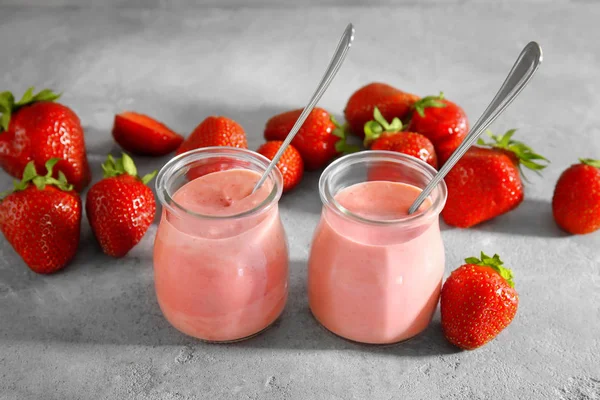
(495, 263)
(524, 154)
(8, 106)
(378, 126)
(429, 101)
(591, 162)
(342, 146)
(114, 167)
(30, 176)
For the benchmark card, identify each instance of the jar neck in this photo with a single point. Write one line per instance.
(188, 166)
(381, 166)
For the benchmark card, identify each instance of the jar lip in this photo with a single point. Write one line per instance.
(168, 171)
(438, 195)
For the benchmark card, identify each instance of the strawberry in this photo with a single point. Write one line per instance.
(442, 122)
(140, 134)
(381, 135)
(486, 182)
(215, 131)
(41, 219)
(576, 201)
(290, 164)
(478, 301)
(318, 141)
(120, 207)
(392, 103)
(37, 129)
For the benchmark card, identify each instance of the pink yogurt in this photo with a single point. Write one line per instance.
(374, 273)
(226, 278)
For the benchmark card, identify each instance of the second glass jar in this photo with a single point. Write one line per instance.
(376, 278)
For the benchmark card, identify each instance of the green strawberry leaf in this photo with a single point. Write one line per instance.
(29, 172)
(148, 177)
(7, 102)
(495, 263)
(395, 126)
(128, 165)
(378, 125)
(8, 106)
(339, 131)
(525, 154)
(27, 97)
(50, 165)
(46, 95)
(341, 146)
(429, 101)
(377, 117)
(590, 162)
(62, 178)
(30, 176)
(122, 166)
(344, 148)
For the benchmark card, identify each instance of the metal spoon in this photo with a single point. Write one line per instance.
(519, 76)
(332, 69)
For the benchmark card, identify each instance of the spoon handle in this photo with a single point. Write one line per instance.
(519, 76)
(332, 69)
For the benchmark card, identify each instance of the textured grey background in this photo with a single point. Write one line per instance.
(95, 330)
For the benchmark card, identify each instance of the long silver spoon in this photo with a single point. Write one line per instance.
(519, 76)
(332, 69)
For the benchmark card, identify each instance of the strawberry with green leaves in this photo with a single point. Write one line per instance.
(486, 181)
(121, 207)
(391, 102)
(41, 218)
(36, 128)
(441, 121)
(381, 135)
(320, 139)
(478, 301)
(576, 200)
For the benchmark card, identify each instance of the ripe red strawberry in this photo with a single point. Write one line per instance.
(215, 131)
(486, 182)
(442, 122)
(478, 301)
(41, 219)
(290, 164)
(37, 129)
(381, 135)
(392, 103)
(120, 208)
(576, 201)
(318, 141)
(140, 134)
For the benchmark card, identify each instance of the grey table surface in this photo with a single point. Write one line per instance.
(95, 330)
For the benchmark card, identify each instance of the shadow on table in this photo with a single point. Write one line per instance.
(532, 218)
(114, 303)
(297, 329)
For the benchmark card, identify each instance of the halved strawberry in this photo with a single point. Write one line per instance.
(142, 135)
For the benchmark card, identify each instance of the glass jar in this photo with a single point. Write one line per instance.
(374, 279)
(219, 278)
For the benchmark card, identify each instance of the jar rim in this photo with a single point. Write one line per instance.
(438, 195)
(177, 163)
